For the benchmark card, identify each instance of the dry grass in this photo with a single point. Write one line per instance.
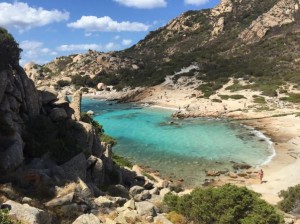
(68, 188)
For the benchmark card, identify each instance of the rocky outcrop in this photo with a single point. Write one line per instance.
(27, 214)
(76, 105)
(19, 100)
(280, 14)
(225, 6)
(87, 219)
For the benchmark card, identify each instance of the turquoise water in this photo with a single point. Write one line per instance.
(179, 150)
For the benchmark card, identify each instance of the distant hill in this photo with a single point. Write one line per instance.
(258, 40)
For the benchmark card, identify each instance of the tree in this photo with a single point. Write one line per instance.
(9, 50)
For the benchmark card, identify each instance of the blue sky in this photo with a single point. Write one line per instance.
(46, 29)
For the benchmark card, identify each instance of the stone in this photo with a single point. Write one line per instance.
(11, 153)
(161, 219)
(48, 94)
(119, 201)
(84, 190)
(96, 169)
(101, 86)
(145, 208)
(28, 214)
(118, 191)
(127, 216)
(164, 191)
(58, 114)
(90, 112)
(232, 175)
(130, 204)
(76, 105)
(241, 166)
(212, 173)
(142, 196)
(3, 83)
(87, 219)
(133, 191)
(84, 134)
(26, 200)
(60, 201)
(76, 167)
(103, 202)
(61, 102)
(155, 191)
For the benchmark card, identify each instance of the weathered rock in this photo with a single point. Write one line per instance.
(103, 202)
(161, 219)
(118, 191)
(101, 86)
(241, 166)
(11, 153)
(28, 214)
(142, 196)
(232, 175)
(84, 134)
(87, 219)
(76, 105)
(76, 167)
(48, 94)
(58, 114)
(130, 204)
(60, 201)
(127, 216)
(119, 201)
(133, 191)
(84, 190)
(212, 173)
(96, 170)
(145, 208)
(164, 191)
(3, 83)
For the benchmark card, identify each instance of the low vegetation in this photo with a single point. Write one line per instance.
(42, 136)
(259, 99)
(234, 97)
(9, 50)
(5, 219)
(290, 199)
(121, 161)
(293, 98)
(226, 204)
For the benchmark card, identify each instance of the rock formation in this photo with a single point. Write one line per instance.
(76, 105)
(280, 14)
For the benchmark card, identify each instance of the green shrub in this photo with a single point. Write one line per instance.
(5, 219)
(259, 99)
(216, 101)
(290, 199)
(121, 161)
(9, 50)
(226, 204)
(293, 98)
(62, 83)
(42, 136)
(108, 139)
(235, 97)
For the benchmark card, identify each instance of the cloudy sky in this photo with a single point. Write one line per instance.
(46, 29)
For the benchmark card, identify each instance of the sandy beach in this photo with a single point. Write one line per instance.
(274, 118)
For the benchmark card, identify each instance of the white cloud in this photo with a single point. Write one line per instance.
(84, 47)
(35, 51)
(143, 4)
(196, 2)
(23, 17)
(117, 37)
(126, 42)
(106, 24)
(79, 47)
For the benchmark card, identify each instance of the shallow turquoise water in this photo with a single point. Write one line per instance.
(182, 150)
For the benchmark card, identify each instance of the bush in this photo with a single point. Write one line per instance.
(291, 199)
(259, 99)
(62, 83)
(293, 98)
(235, 97)
(226, 204)
(9, 50)
(42, 136)
(121, 161)
(5, 219)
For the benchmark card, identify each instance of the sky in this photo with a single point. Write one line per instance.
(46, 29)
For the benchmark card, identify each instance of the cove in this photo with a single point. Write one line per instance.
(179, 149)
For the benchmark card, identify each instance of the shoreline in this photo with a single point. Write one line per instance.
(283, 168)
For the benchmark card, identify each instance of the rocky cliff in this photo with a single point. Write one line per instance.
(53, 167)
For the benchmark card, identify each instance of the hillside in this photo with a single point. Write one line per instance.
(254, 40)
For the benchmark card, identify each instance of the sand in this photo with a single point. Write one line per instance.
(284, 169)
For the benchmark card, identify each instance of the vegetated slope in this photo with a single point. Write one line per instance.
(253, 39)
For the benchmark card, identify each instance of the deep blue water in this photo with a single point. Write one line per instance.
(182, 150)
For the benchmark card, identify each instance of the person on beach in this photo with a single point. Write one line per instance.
(261, 175)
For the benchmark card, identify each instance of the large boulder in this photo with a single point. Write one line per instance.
(27, 214)
(58, 114)
(96, 170)
(76, 167)
(63, 200)
(11, 153)
(87, 219)
(145, 208)
(48, 94)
